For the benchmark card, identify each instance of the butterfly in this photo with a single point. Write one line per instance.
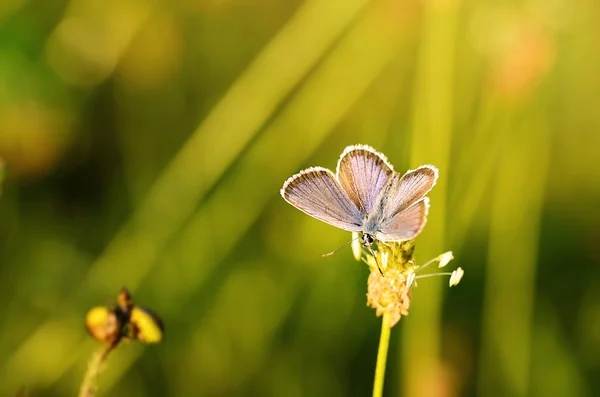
(365, 195)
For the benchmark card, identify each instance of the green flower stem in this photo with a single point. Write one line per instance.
(89, 386)
(384, 343)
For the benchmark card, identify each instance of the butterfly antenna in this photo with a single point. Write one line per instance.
(376, 261)
(337, 249)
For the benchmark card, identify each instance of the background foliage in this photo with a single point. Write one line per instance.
(146, 141)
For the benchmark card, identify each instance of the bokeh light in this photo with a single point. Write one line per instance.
(144, 143)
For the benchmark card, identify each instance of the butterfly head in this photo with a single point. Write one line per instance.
(367, 240)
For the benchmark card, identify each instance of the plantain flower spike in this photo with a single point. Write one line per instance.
(390, 291)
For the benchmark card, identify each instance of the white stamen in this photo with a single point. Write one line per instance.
(410, 277)
(384, 259)
(445, 258)
(433, 275)
(456, 276)
(426, 264)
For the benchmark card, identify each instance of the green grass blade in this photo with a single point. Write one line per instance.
(510, 276)
(431, 143)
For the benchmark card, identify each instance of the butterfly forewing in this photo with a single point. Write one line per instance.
(363, 173)
(409, 189)
(404, 225)
(316, 192)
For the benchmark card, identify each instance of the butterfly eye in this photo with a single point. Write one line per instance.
(145, 325)
(104, 324)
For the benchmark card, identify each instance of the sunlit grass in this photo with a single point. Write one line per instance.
(501, 97)
(520, 181)
(200, 163)
(433, 118)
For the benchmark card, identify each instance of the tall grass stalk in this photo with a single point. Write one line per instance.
(280, 66)
(510, 276)
(325, 89)
(431, 143)
(89, 386)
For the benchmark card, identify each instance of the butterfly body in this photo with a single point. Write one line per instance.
(365, 195)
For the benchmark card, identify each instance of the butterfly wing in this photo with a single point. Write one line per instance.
(408, 189)
(403, 206)
(363, 173)
(405, 225)
(316, 192)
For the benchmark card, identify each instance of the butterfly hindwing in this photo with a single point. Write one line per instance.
(404, 225)
(412, 187)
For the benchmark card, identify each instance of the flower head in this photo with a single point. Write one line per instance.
(390, 290)
(389, 294)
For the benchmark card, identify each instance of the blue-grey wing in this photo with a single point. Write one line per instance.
(363, 173)
(316, 192)
(403, 192)
(404, 225)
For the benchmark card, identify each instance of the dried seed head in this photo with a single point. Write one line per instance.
(125, 320)
(145, 325)
(125, 301)
(104, 324)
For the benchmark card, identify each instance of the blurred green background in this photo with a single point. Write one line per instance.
(146, 141)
